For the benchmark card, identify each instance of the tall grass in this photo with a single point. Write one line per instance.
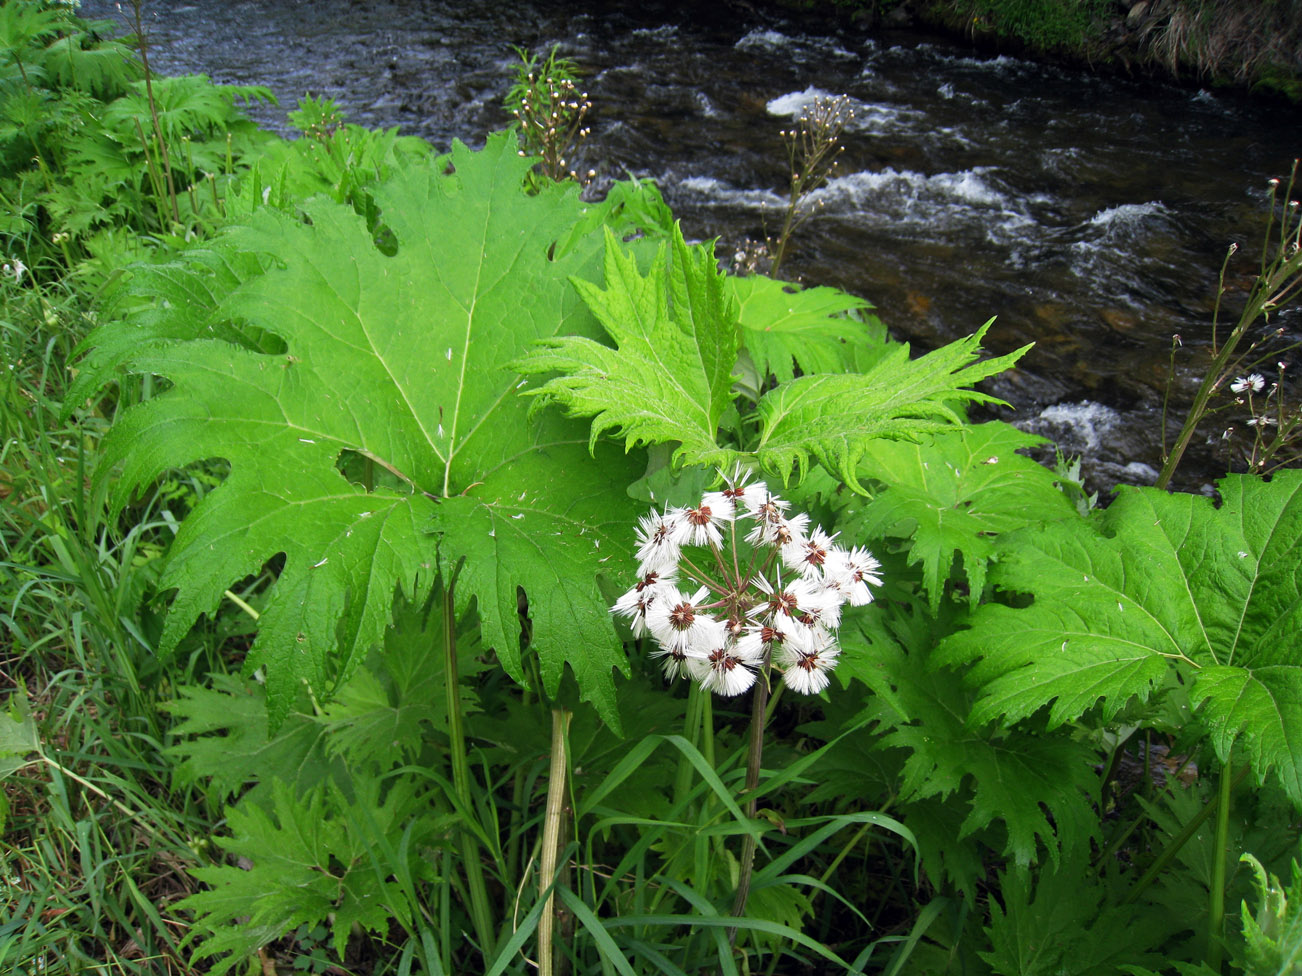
(97, 839)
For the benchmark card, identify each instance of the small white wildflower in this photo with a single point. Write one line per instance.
(634, 604)
(817, 604)
(1261, 421)
(807, 556)
(773, 527)
(1253, 381)
(722, 669)
(805, 670)
(677, 621)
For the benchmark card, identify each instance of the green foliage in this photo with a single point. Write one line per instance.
(670, 382)
(785, 327)
(1028, 790)
(669, 378)
(1061, 927)
(1273, 934)
(304, 861)
(953, 495)
(400, 361)
(1164, 581)
(18, 740)
(836, 418)
(1042, 23)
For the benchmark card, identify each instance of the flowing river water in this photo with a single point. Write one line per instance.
(1090, 214)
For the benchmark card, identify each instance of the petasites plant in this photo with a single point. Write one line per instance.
(385, 444)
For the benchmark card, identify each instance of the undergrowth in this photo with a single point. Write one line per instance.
(323, 463)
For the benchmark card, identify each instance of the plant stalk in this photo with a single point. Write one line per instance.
(553, 820)
(1216, 905)
(1173, 848)
(479, 912)
(143, 47)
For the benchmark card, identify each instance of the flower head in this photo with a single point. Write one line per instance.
(769, 601)
(1253, 381)
(852, 573)
(656, 548)
(805, 669)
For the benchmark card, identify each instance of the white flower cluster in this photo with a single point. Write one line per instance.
(723, 609)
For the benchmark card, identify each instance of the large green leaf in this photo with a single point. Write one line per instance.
(1162, 581)
(670, 377)
(394, 372)
(1038, 786)
(834, 417)
(784, 326)
(953, 494)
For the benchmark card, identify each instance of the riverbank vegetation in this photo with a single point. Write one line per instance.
(1256, 46)
(408, 565)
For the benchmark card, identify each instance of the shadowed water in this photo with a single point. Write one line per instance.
(1089, 214)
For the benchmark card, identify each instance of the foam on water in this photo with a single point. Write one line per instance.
(705, 106)
(793, 103)
(1075, 427)
(708, 191)
(769, 40)
(1128, 215)
(799, 48)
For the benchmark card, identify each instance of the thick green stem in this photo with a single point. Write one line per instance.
(553, 820)
(1216, 905)
(479, 913)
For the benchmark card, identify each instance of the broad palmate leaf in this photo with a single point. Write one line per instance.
(953, 494)
(394, 371)
(1036, 785)
(784, 325)
(834, 417)
(670, 377)
(1163, 581)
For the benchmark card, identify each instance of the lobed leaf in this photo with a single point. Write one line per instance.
(785, 326)
(953, 494)
(670, 375)
(1037, 785)
(833, 418)
(1160, 581)
(397, 364)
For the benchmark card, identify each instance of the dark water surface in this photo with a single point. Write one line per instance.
(1089, 214)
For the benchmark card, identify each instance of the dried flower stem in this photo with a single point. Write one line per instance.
(812, 147)
(1278, 281)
